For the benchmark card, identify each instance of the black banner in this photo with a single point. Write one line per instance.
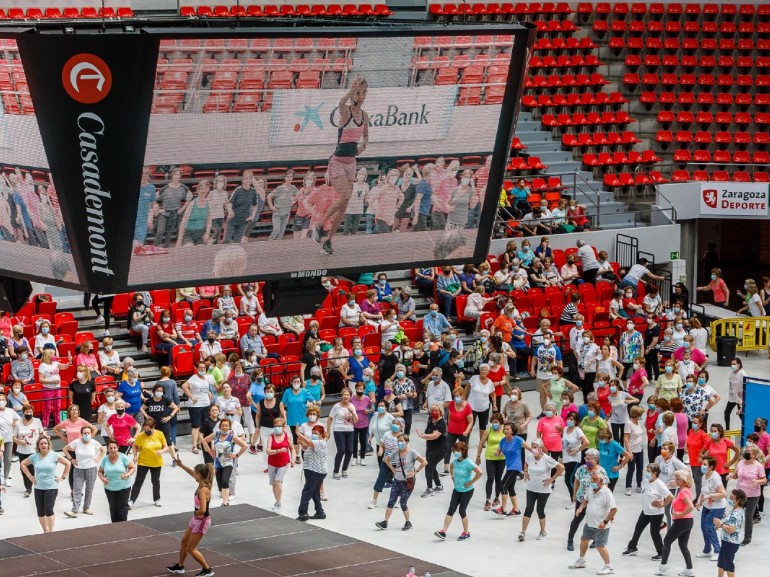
(92, 95)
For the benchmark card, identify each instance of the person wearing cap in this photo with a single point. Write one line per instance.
(406, 305)
(435, 323)
(213, 324)
(636, 274)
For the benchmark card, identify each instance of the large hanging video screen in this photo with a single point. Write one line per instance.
(268, 156)
(33, 236)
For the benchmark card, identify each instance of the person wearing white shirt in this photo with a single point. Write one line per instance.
(538, 467)
(211, 347)
(636, 274)
(655, 497)
(88, 454)
(437, 391)
(350, 314)
(600, 510)
(8, 421)
(480, 394)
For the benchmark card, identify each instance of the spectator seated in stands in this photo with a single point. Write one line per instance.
(250, 306)
(424, 278)
(682, 294)
(569, 272)
(22, 368)
(370, 310)
(552, 273)
(350, 313)
(511, 252)
(384, 291)
(605, 271)
(87, 358)
(213, 324)
(535, 222)
(211, 346)
(651, 302)
(520, 196)
(559, 221)
(405, 304)
(17, 341)
(576, 216)
(358, 362)
(467, 279)
(109, 359)
(267, 326)
(229, 329)
(226, 302)
(187, 294)
(475, 305)
(636, 274)
(543, 250)
(519, 345)
(503, 278)
(45, 340)
(526, 255)
(485, 278)
(447, 289)
(293, 325)
(166, 334)
(435, 323)
(209, 293)
(252, 341)
(389, 327)
(631, 309)
(188, 330)
(616, 306)
(537, 274)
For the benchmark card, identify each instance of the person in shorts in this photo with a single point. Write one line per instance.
(600, 510)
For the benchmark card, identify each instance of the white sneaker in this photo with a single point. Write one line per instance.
(8, 482)
(130, 504)
(662, 570)
(99, 320)
(579, 564)
(606, 570)
(372, 504)
(276, 507)
(353, 462)
(542, 535)
(105, 333)
(157, 504)
(628, 491)
(714, 557)
(687, 573)
(703, 555)
(362, 462)
(570, 505)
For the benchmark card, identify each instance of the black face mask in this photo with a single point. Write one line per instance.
(747, 455)
(211, 339)
(139, 303)
(120, 411)
(28, 417)
(757, 429)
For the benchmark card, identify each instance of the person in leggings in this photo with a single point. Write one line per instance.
(387, 444)
(115, 472)
(750, 474)
(655, 497)
(511, 447)
(537, 472)
(342, 419)
(435, 446)
(681, 526)
(45, 480)
(582, 485)
(459, 423)
(220, 446)
(573, 442)
(494, 459)
(464, 473)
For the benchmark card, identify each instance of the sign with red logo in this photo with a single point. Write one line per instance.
(86, 78)
(737, 199)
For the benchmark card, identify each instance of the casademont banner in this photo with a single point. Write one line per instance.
(92, 95)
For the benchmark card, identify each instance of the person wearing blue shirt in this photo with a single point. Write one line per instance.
(435, 323)
(612, 456)
(295, 402)
(384, 292)
(255, 395)
(44, 463)
(357, 362)
(510, 447)
(464, 473)
(583, 409)
(115, 472)
(130, 390)
(525, 255)
(422, 198)
(314, 386)
(213, 323)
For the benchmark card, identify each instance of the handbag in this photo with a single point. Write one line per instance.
(410, 481)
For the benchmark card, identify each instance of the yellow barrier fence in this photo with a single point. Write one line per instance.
(734, 435)
(751, 332)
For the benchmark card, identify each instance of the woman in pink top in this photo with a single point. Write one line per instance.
(681, 513)
(352, 139)
(682, 424)
(567, 405)
(87, 358)
(69, 430)
(638, 379)
(751, 476)
(550, 428)
(718, 287)
(389, 198)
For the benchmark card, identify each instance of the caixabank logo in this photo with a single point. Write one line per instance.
(86, 78)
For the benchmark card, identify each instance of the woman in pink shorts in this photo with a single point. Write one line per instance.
(200, 522)
(352, 138)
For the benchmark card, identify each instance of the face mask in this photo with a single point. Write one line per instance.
(394, 428)
(591, 413)
(676, 311)
(458, 400)
(187, 318)
(211, 339)
(277, 430)
(636, 366)
(587, 340)
(689, 385)
(382, 282)
(578, 324)
(669, 370)
(747, 455)
(388, 392)
(603, 441)
(757, 429)
(139, 303)
(525, 249)
(44, 330)
(296, 386)
(734, 368)
(613, 390)
(249, 294)
(86, 438)
(166, 319)
(314, 437)
(701, 381)
(80, 374)
(546, 343)
(730, 502)
(465, 181)
(228, 321)
(678, 327)
(108, 348)
(514, 398)
(665, 454)
(28, 417)
(381, 410)
(483, 339)
(630, 326)
(158, 394)
(201, 374)
(434, 314)
(651, 406)
(695, 426)
(401, 445)
(648, 476)
(148, 432)
(554, 376)
(120, 411)
(16, 390)
(667, 338)
(3, 404)
(600, 383)
(400, 374)
(24, 356)
(570, 423)
(713, 277)
(269, 396)
(686, 345)
(457, 454)
(715, 435)
(549, 414)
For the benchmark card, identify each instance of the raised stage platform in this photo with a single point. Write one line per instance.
(244, 541)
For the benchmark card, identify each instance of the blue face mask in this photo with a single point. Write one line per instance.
(695, 426)
(701, 381)
(591, 413)
(314, 437)
(603, 441)
(689, 385)
(648, 475)
(400, 374)
(394, 428)
(578, 324)
(594, 486)
(713, 277)
(381, 410)
(277, 430)
(669, 370)
(651, 406)
(715, 436)
(457, 454)
(730, 502)
(401, 445)
(549, 414)
(495, 426)
(704, 469)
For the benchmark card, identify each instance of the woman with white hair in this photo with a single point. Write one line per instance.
(582, 488)
(404, 389)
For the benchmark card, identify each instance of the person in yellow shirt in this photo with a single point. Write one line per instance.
(148, 448)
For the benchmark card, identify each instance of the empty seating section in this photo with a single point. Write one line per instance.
(701, 71)
(239, 75)
(287, 10)
(70, 13)
(13, 83)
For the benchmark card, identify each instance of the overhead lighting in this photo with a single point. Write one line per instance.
(69, 30)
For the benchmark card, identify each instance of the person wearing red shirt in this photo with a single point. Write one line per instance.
(498, 377)
(653, 412)
(603, 392)
(459, 423)
(717, 447)
(504, 323)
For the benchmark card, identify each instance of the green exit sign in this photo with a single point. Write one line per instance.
(674, 256)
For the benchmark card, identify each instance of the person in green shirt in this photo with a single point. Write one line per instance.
(591, 423)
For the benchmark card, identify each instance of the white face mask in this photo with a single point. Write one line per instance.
(465, 181)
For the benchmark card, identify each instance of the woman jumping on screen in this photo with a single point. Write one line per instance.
(201, 521)
(352, 138)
